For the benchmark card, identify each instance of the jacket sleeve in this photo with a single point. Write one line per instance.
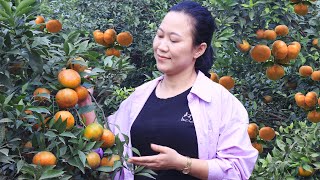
(235, 157)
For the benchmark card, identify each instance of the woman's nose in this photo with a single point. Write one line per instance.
(163, 45)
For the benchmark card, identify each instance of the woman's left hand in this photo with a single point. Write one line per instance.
(167, 158)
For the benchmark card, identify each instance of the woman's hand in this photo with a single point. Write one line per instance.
(166, 159)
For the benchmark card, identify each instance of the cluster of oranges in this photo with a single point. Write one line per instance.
(301, 7)
(52, 25)
(265, 133)
(306, 71)
(309, 103)
(96, 132)
(282, 53)
(226, 81)
(110, 39)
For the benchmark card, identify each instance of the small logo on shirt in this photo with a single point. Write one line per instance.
(187, 117)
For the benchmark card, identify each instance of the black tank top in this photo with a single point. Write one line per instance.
(167, 122)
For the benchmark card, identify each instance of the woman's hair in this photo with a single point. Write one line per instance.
(203, 28)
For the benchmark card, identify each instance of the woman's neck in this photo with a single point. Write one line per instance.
(172, 85)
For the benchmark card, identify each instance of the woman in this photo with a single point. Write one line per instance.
(185, 125)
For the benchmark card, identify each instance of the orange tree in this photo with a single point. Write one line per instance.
(43, 133)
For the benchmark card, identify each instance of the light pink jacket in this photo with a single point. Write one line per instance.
(220, 121)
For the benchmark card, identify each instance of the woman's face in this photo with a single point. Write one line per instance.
(173, 44)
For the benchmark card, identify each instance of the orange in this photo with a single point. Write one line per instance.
(314, 116)
(293, 50)
(109, 161)
(304, 173)
(311, 99)
(66, 98)
(260, 34)
(315, 75)
(40, 91)
(39, 20)
(267, 99)
(305, 71)
(301, 9)
(279, 49)
(93, 160)
(53, 26)
(65, 116)
(253, 130)
(270, 35)
(109, 36)
(275, 72)
(258, 146)
(227, 82)
(108, 138)
(214, 77)
(300, 99)
(124, 38)
(98, 37)
(267, 133)
(260, 53)
(281, 30)
(112, 51)
(82, 93)
(93, 131)
(77, 67)
(69, 78)
(315, 42)
(28, 145)
(244, 47)
(44, 158)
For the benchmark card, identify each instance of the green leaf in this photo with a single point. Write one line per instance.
(50, 134)
(25, 10)
(83, 47)
(68, 134)
(5, 80)
(136, 151)
(24, 4)
(4, 151)
(8, 99)
(146, 175)
(89, 146)
(63, 150)
(106, 169)
(20, 164)
(4, 14)
(82, 157)
(51, 173)
(5, 120)
(40, 110)
(6, 6)
(87, 108)
(40, 41)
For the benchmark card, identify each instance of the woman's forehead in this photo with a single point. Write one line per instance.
(177, 22)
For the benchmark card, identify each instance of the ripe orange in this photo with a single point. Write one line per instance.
(214, 77)
(93, 131)
(260, 34)
(275, 72)
(227, 82)
(301, 9)
(28, 145)
(44, 158)
(305, 71)
(124, 38)
(258, 146)
(53, 26)
(98, 37)
(267, 133)
(253, 130)
(267, 99)
(108, 138)
(112, 51)
(244, 47)
(66, 98)
(69, 78)
(314, 116)
(293, 50)
(82, 93)
(93, 160)
(39, 20)
(77, 67)
(109, 161)
(279, 49)
(315, 75)
(315, 42)
(300, 99)
(270, 35)
(304, 173)
(40, 91)
(311, 99)
(281, 30)
(65, 116)
(109, 36)
(260, 53)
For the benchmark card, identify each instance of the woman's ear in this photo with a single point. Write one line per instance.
(200, 50)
